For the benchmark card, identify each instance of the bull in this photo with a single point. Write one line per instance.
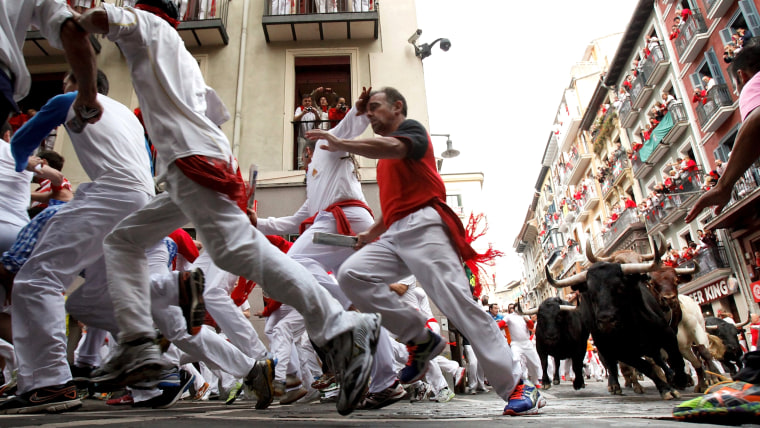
(626, 322)
(730, 358)
(560, 333)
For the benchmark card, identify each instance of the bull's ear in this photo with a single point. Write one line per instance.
(579, 287)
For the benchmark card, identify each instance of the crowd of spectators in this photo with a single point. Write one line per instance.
(287, 7)
(738, 39)
(705, 240)
(682, 16)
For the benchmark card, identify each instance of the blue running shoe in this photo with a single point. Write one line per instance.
(420, 355)
(525, 400)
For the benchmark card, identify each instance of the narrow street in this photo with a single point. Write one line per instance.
(590, 407)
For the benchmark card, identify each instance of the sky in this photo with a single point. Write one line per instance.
(497, 90)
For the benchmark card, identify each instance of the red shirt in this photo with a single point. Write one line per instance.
(335, 116)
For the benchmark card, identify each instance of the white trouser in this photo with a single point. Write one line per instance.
(595, 366)
(419, 245)
(282, 327)
(88, 351)
(447, 366)
(71, 241)
(310, 368)
(8, 234)
(234, 246)
(280, 7)
(475, 376)
(319, 259)
(216, 295)
(527, 354)
(434, 375)
(9, 354)
(566, 369)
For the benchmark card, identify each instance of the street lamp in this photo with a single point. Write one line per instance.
(426, 49)
(450, 151)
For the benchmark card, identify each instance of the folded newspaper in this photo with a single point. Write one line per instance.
(334, 239)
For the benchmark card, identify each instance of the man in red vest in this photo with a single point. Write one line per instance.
(418, 234)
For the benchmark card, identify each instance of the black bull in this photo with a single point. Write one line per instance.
(627, 323)
(560, 333)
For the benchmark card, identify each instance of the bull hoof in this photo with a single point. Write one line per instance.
(578, 384)
(614, 389)
(667, 396)
(676, 394)
(555, 381)
(638, 389)
(546, 385)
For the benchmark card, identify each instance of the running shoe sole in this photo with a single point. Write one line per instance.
(532, 411)
(355, 378)
(194, 311)
(439, 347)
(260, 381)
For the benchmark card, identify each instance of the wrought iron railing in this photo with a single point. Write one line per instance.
(302, 7)
(690, 28)
(718, 96)
(627, 218)
(709, 259)
(656, 57)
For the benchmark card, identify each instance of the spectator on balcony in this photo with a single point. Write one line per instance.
(667, 100)
(744, 35)
(686, 254)
(279, 7)
(337, 113)
(306, 114)
(720, 167)
(688, 167)
(629, 202)
(708, 182)
(675, 30)
(628, 82)
(729, 52)
(685, 13)
(700, 96)
(657, 111)
(707, 239)
(327, 6)
(708, 83)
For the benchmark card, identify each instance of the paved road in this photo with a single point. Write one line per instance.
(591, 407)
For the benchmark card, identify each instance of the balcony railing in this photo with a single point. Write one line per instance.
(299, 141)
(607, 186)
(665, 211)
(709, 259)
(748, 182)
(692, 30)
(626, 219)
(618, 170)
(717, 8)
(640, 90)
(718, 97)
(297, 20)
(553, 243)
(654, 65)
(569, 258)
(627, 114)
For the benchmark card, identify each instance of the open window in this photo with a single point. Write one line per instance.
(311, 73)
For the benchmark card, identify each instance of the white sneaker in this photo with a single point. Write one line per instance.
(130, 364)
(444, 395)
(420, 392)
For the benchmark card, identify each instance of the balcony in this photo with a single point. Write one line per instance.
(553, 243)
(668, 210)
(580, 162)
(569, 258)
(309, 20)
(743, 202)
(680, 122)
(693, 37)
(655, 147)
(640, 168)
(588, 202)
(618, 170)
(709, 260)
(607, 186)
(717, 109)
(717, 8)
(204, 23)
(625, 224)
(627, 114)
(640, 91)
(655, 66)
(37, 46)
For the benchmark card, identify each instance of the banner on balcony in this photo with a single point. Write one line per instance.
(660, 131)
(755, 287)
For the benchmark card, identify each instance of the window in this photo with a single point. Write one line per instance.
(725, 146)
(746, 17)
(312, 72)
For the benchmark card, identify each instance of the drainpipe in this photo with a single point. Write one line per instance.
(240, 82)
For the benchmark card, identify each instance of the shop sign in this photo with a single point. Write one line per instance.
(755, 287)
(713, 291)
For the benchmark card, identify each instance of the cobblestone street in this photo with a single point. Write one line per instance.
(591, 407)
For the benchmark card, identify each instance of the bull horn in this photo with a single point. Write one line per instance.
(592, 258)
(529, 311)
(741, 325)
(711, 327)
(634, 268)
(686, 271)
(567, 282)
(568, 308)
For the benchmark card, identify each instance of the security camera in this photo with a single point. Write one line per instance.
(415, 36)
(445, 45)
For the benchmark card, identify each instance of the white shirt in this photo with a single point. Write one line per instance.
(308, 118)
(15, 18)
(518, 328)
(112, 151)
(14, 189)
(330, 178)
(169, 87)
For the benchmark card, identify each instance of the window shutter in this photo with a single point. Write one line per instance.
(712, 62)
(696, 82)
(725, 35)
(750, 16)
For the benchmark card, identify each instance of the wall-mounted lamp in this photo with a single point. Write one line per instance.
(426, 49)
(450, 151)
